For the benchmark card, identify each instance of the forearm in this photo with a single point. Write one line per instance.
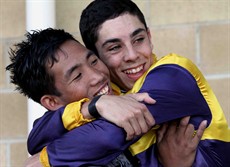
(177, 94)
(43, 131)
(104, 140)
(171, 107)
(63, 119)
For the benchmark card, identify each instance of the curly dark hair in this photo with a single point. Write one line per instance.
(99, 11)
(29, 61)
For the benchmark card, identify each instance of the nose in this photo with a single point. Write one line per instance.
(96, 76)
(130, 54)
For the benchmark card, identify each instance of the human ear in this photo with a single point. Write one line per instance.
(50, 102)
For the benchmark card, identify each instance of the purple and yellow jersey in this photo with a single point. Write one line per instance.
(179, 89)
(214, 146)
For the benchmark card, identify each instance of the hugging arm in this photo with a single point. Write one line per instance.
(45, 129)
(95, 143)
(177, 95)
(195, 99)
(53, 124)
(180, 100)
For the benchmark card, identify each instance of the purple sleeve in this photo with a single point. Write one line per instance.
(177, 95)
(95, 143)
(45, 129)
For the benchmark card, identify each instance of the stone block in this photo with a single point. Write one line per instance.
(214, 46)
(13, 115)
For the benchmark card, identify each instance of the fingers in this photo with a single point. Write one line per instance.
(189, 132)
(136, 127)
(183, 127)
(149, 119)
(149, 100)
(145, 119)
(161, 132)
(184, 121)
(175, 130)
(172, 128)
(131, 115)
(200, 131)
(131, 127)
(142, 120)
(143, 97)
(178, 143)
(144, 123)
(139, 124)
(129, 130)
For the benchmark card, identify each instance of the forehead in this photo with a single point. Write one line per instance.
(70, 52)
(119, 27)
(72, 46)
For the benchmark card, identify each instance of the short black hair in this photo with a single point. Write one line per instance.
(99, 11)
(29, 62)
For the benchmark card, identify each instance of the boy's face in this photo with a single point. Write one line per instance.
(124, 45)
(79, 73)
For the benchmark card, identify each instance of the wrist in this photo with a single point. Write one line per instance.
(84, 111)
(92, 107)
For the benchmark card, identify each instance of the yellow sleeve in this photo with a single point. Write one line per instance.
(72, 116)
(44, 158)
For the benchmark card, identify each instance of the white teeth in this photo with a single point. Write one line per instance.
(103, 91)
(133, 71)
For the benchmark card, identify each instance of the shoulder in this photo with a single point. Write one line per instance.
(175, 59)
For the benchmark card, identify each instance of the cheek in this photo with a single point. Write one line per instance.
(105, 71)
(77, 90)
(148, 53)
(114, 62)
(102, 68)
(148, 47)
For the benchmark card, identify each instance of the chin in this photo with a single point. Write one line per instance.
(129, 87)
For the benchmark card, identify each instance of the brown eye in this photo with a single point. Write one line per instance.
(139, 40)
(115, 48)
(77, 77)
(94, 61)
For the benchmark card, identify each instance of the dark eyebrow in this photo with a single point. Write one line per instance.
(89, 54)
(113, 40)
(137, 31)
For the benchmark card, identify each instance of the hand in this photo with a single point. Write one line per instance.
(177, 144)
(127, 112)
(33, 161)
